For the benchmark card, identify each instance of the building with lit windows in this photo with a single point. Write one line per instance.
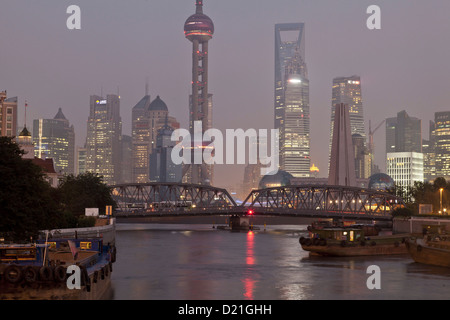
(162, 168)
(147, 118)
(403, 133)
(292, 116)
(8, 115)
(442, 144)
(405, 168)
(363, 159)
(103, 140)
(55, 138)
(80, 161)
(347, 90)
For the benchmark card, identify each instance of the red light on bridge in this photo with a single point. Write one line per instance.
(250, 212)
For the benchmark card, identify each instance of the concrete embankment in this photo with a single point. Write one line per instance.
(416, 224)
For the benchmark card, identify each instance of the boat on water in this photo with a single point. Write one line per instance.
(38, 271)
(352, 240)
(431, 249)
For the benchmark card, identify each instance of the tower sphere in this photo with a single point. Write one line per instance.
(199, 26)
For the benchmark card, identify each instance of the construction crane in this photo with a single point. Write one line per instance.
(371, 144)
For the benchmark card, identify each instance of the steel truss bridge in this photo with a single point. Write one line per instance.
(179, 199)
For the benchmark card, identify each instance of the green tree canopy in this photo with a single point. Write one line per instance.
(27, 201)
(84, 191)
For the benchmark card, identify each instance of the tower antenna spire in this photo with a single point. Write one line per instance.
(199, 6)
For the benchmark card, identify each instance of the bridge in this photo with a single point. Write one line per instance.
(182, 199)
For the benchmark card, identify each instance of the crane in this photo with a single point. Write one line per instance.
(371, 144)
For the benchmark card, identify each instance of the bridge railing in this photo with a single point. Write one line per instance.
(343, 200)
(170, 198)
(295, 200)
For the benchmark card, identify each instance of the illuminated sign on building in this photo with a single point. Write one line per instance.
(100, 102)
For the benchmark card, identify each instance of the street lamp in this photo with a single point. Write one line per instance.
(440, 198)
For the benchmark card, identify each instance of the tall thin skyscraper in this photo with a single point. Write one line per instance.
(140, 140)
(347, 90)
(292, 116)
(104, 136)
(442, 143)
(199, 29)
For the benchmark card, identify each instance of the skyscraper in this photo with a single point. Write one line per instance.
(103, 140)
(55, 138)
(292, 116)
(162, 168)
(140, 140)
(404, 157)
(148, 117)
(442, 143)
(347, 90)
(8, 115)
(403, 133)
(199, 29)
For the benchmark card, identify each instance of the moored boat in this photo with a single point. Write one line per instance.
(38, 271)
(353, 240)
(434, 250)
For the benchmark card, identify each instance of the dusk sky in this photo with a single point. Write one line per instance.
(403, 66)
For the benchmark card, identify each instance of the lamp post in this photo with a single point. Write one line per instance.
(440, 199)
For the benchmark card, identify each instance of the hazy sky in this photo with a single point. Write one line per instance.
(403, 66)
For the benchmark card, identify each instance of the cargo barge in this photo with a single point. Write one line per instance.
(352, 240)
(38, 271)
(431, 249)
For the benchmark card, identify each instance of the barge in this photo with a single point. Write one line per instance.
(432, 249)
(352, 240)
(38, 271)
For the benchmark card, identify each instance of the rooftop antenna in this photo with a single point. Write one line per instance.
(25, 120)
(146, 86)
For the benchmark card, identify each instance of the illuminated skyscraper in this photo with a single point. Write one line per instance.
(103, 140)
(199, 29)
(148, 117)
(55, 138)
(347, 90)
(442, 143)
(292, 116)
(162, 168)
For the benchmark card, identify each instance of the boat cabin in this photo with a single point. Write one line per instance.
(22, 253)
(338, 234)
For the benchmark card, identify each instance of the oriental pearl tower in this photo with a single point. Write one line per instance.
(199, 29)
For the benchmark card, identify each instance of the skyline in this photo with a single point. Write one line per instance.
(402, 66)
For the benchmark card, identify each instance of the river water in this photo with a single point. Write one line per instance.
(199, 262)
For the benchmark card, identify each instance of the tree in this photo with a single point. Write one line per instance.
(27, 201)
(84, 191)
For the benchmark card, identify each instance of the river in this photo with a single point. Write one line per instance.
(199, 262)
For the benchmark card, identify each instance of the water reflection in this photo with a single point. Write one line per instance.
(249, 281)
(196, 262)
